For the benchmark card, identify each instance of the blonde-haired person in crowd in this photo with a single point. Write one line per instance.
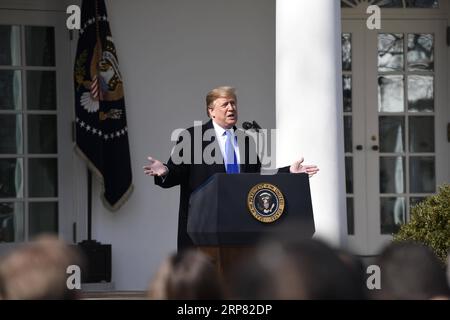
(37, 270)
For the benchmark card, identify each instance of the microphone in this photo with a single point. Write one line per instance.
(256, 126)
(259, 147)
(247, 125)
(251, 125)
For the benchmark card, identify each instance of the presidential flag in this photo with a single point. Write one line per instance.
(101, 123)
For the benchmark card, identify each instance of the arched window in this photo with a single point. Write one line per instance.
(392, 3)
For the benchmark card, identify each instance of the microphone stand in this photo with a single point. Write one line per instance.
(254, 125)
(257, 127)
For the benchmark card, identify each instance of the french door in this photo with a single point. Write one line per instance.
(395, 116)
(36, 110)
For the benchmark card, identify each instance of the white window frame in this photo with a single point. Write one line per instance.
(72, 177)
(359, 12)
(361, 119)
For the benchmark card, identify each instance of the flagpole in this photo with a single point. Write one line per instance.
(89, 205)
(94, 133)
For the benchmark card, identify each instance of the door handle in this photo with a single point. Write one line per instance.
(375, 148)
(359, 147)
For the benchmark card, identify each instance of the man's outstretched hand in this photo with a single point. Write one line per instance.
(298, 167)
(155, 168)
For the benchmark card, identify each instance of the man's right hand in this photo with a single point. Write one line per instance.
(155, 168)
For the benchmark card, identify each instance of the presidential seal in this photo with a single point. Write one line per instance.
(265, 202)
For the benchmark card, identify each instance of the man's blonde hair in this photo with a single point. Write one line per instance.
(219, 92)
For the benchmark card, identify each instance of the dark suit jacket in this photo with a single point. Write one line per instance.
(190, 176)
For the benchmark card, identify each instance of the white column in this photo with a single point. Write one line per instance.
(309, 105)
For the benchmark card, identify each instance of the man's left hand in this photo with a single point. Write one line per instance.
(298, 167)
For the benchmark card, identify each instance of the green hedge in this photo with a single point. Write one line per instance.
(430, 223)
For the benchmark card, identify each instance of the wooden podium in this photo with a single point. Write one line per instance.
(230, 213)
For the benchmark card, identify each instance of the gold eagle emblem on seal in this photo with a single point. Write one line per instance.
(266, 202)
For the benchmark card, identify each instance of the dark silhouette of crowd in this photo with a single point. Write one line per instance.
(288, 269)
(304, 270)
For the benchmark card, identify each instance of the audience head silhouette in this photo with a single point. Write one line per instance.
(411, 271)
(37, 270)
(307, 269)
(187, 275)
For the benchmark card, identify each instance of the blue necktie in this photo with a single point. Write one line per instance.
(231, 164)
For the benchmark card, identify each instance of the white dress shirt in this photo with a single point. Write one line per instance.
(222, 138)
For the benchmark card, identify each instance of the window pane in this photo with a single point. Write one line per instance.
(9, 45)
(40, 46)
(43, 218)
(344, 4)
(420, 52)
(11, 222)
(392, 175)
(350, 217)
(392, 214)
(42, 134)
(421, 134)
(42, 177)
(346, 52)
(413, 201)
(348, 141)
(421, 93)
(422, 3)
(389, 3)
(393, 3)
(11, 134)
(390, 52)
(422, 175)
(41, 90)
(11, 181)
(392, 134)
(349, 174)
(390, 94)
(10, 90)
(347, 88)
